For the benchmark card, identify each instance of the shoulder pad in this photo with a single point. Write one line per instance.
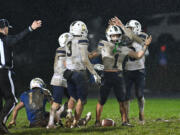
(103, 43)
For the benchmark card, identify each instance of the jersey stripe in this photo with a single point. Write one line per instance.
(2, 53)
(100, 44)
(62, 55)
(82, 41)
(60, 51)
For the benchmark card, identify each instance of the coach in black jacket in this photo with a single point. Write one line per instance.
(7, 91)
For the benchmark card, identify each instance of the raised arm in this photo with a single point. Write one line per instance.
(141, 53)
(13, 39)
(128, 32)
(85, 59)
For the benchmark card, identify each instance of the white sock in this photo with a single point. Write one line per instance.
(51, 117)
(69, 110)
(61, 109)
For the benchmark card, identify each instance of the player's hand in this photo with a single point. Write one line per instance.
(148, 41)
(97, 79)
(36, 24)
(99, 67)
(11, 124)
(116, 21)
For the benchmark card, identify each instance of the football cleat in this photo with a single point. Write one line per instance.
(51, 126)
(97, 124)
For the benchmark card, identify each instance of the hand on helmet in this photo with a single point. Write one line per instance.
(115, 21)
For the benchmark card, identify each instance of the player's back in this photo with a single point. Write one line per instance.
(59, 66)
(34, 101)
(73, 53)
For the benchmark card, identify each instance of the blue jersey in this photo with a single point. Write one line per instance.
(34, 101)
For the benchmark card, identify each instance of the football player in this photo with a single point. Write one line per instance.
(77, 62)
(58, 82)
(34, 101)
(134, 68)
(113, 54)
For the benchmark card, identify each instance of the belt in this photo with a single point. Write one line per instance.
(112, 70)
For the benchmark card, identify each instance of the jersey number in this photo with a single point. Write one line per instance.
(116, 59)
(130, 58)
(69, 49)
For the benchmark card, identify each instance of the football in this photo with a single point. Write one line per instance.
(108, 123)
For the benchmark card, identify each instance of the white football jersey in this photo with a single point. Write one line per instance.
(73, 54)
(59, 68)
(135, 64)
(112, 60)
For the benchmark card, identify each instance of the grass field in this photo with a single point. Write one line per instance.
(162, 118)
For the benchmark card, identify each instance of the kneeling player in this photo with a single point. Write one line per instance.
(34, 101)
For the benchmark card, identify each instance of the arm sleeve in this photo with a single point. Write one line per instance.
(131, 35)
(13, 39)
(85, 59)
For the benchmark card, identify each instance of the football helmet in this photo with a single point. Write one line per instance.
(64, 39)
(78, 28)
(135, 25)
(113, 30)
(37, 82)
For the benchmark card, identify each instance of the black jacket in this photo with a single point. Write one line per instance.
(8, 41)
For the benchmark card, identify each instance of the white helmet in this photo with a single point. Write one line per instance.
(64, 39)
(113, 30)
(37, 82)
(135, 25)
(78, 28)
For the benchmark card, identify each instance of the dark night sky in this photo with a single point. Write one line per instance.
(35, 54)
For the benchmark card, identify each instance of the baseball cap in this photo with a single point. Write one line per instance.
(4, 23)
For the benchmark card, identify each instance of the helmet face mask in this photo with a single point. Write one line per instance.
(37, 83)
(64, 39)
(135, 26)
(115, 38)
(114, 34)
(78, 28)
